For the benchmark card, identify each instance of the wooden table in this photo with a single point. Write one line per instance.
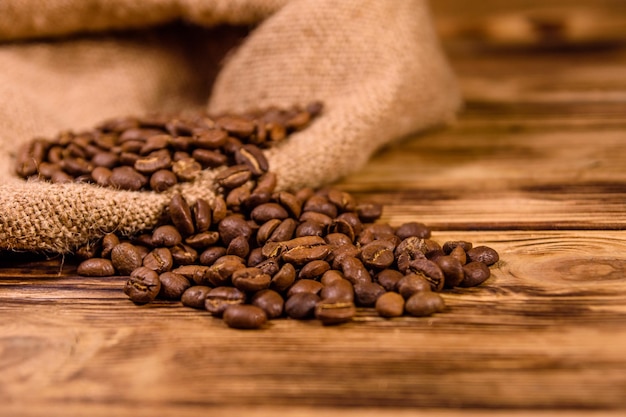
(535, 167)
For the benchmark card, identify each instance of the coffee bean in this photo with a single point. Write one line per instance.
(186, 169)
(210, 139)
(389, 278)
(378, 254)
(233, 176)
(153, 162)
(390, 304)
(100, 175)
(313, 269)
(239, 247)
(366, 293)
(268, 211)
(159, 260)
(181, 216)
(96, 267)
(202, 215)
(430, 271)
(354, 271)
(475, 274)
(483, 254)
(269, 301)
(162, 180)
(301, 306)
(416, 229)
(197, 274)
(332, 312)
(450, 245)
(411, 284)
(184, 254)
(459, 254)
(173, 286)
(305, 286)
(126, 258)
(251, 279)
(210, 255)
(338, 290)
(284, 278)
(195, 296)
(253, 158)
(126, 178)
(220, 298)
(143, 285)
(452, 270)
(424, 304)
(244, 316)
(237, 126)
(202, 239)
(369, 212)
(109, 241)
(234, 226)
(166, 235)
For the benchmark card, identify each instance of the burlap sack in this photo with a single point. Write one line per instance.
(376, 64)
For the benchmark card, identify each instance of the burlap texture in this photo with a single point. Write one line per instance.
(376, 64)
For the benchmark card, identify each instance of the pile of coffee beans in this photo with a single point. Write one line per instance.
(304, 255)
(157, 151)
(254, 253)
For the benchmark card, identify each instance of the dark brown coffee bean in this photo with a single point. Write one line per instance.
(256, 257)
(411, 284)
(253, 158)
(459, 254)
(184, 254)
(342, 200)
(354, 271)
(389, 278)
(220, 273)
(390, 304)
(220, 298)
(430, 271)
(475, 274)
(173, 286)
(290, 202)
(310, 228)
(414, 247)
(166, 235)
(313, 269)
(203, 239)
(142, 286)
(197, 274)
(202, 215)
(268, 211)
(109, 241)
(208, 158)
(60, 177)
(162, 180)
(234, 226)
(450, 245)
(155, 143)
(369, 212)
(269, 301)
(210, 255)
(452, 270)
(159, 260)
(239, 246)
(128, 159)
(251, 279)
(366, 293)
(301, 306)
(269, 266)
(195, 296)
(186, 169)
(298, 251)
(416, 229)
(181, 216)
(210, 139)
(153, 162)
(315, 217)
(237, 126)
(233, 176)
(96, 267)
(423, 304)
(101, 176)
(126, 178)
(338, 290)
(284, 231)
(332, 312)
(483, 254)
(244, 316)
(331, 276)
(125, 258)
(266, 230)
(337, 239)
(377, 254)
(305, 285)
(76, 166)
(321, 205)
(284, 278)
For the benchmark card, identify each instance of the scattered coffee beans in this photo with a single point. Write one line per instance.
(254, 253)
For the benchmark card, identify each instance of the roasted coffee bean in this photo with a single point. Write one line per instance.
(452, 270)
(60, 177)
(284, 278)
(377, 254)
(354, 271)
(195, 296)
(244, 316)
(159, 260)
(369, 212)
(305, 285)
(235, 125)
(96, 267)
(475, 274)
(342, 200)
(338, 290)
(153, 162)
(155, 143)
(186, 169)
(268, 211)
(233, 176)
(332, 312)
(321, 205)
(315, 217)
(253, 158)
(100, 175)
(109, 241)
(301, 306)
(284, 231)
(450, 245)
(203, 239)
(423, 304)
(390, 304)
(181, 216)
(251, 279)
(313, 269)
(173, 286)
(255, 257)
(162, 180)
(166, 235)
(220, 298)
(269, 266)
(210, 139)
(459, 254)
(389, 278)
(310, 228)
(266, 230)
(366, 293)
(202, 215)
(269, 301)
(483, 254)
(126, 178)
(411, 284)
(239, 246)
(237, 198)
(430, 271)
(126, 258)
(234, 226)
(331, 276)
(413, 246)
(416, 229)
(197, 274)
(210, 255)
(143, 285)
(184, 254)
(290, 202)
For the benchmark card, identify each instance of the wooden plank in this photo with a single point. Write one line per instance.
(545, 332)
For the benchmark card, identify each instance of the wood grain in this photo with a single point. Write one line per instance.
(534, 168)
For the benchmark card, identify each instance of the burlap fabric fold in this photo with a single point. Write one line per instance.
(69, 64)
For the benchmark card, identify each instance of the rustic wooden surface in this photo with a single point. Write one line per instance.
(535, 167)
